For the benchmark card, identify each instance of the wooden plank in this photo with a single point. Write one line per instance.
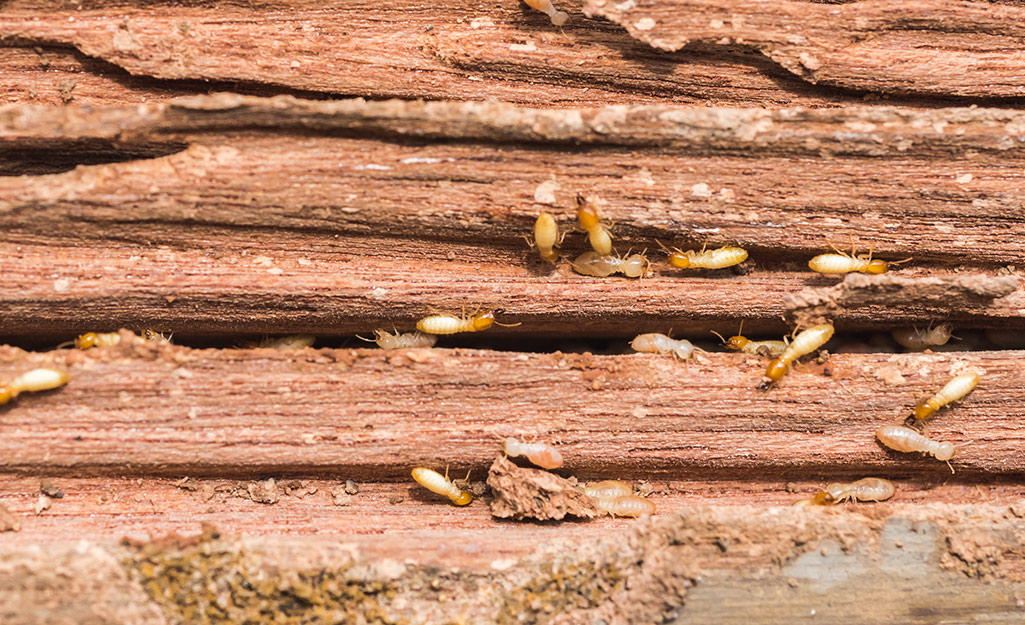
(164, 409)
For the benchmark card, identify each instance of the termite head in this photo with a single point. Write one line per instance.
(463, 499)
(924, 411)
(587, 213)
(5, 394)
(776, 370)
(550, 255)
(876, 266)
(735, 343)
(945, 451)
(86, 341)
(677, 257)
(484, 320)
(635, 266)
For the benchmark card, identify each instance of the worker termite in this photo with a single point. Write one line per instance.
(954, 390)
(451, 324)
(865, 489)
(607, 489)
(292, 341)
(821, 498)
(625, 505)
(558, 17)
(918, 340)
(842, 262)
(546, 237)
(718, 258)
(406, 340)
(152, 336)
(32, 381)
(440, 484)
(599, 266)
(597, 233)
(541, 454)
(97, 339)
(765, 349)
(804, 343)
(661, 344)
(900, 438)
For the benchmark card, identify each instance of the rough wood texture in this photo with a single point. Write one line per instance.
(937, 47)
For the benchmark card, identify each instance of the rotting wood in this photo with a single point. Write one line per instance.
(664, 568)
(164, 409)
(937, 47)
(528, 493)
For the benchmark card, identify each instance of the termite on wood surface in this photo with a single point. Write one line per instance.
(406, 340)
(765, 349)
(719, 258)
(654, 343)
(90, 340)
(918, 340)
(545, 6)
(599, 266)
(440, 484)
(865, 489)
(803, 344)
(35, 380)
(546, 237)
(292, 341)
(540, 454)
(625, 505)
(451, 324)
(841, 262)
(597, 233)
(606, 489)
(954, 390)
(900, 438)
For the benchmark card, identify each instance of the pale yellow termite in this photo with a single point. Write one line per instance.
(719, 258)
(597, 233)
(804, 343)
(546, 237)
(765, 349)
(661, 344)
(35, 380)
(541, 454)
(841, 262)
(451, 324)
(918, 340)
(292, 341)
(599, 266)
(97, 339)
(440, 484)
(954, 390)
(865, 489)
(558, 17)
(900, 438)
(625, 505)
(406, 340)
(821, 498)
(607, 489)
(155, 337)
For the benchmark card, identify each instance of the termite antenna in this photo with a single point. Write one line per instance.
(363, 338)
(901, 262)
(721, 338)
(509, 325)
(66, 344)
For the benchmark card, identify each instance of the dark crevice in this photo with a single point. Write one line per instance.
(28, 160)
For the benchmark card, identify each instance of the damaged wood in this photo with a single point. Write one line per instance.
(526, 493)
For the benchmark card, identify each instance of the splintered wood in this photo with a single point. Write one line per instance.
(525, 493)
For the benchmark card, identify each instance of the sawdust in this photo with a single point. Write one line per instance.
(521, 493)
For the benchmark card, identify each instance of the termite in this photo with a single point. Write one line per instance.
(608, 489)
(766, 349)
(546, 237)
(97, 339)
(718, 258)
(804, 343)
(625, 505)
(406, 340)
(33, 381)
(558, 17)
(451, 324)
(541, 454)
(292, 341)
(153, 336)
(821, 498)
(597, 233)
(865, 489)
(957, 388)
(841, 262)
(440, 484)
(599, 266)
(661, 344)
(918, 340)
(900, 438)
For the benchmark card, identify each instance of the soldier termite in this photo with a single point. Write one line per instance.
(406, 340)
(841, 262)
(440, 484)
(292, 341)
(625, 505)
(719, 258)
(599, 266)
(597, 233)
(545, 6)
(918, 340)
(662, 344)
(954, 390)
(804, 343)
(865, 489)
(546, 237)
(608, 489)
(35, 380)
(541, 454)
(451, 324)
(900, 438)
(765, 349)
